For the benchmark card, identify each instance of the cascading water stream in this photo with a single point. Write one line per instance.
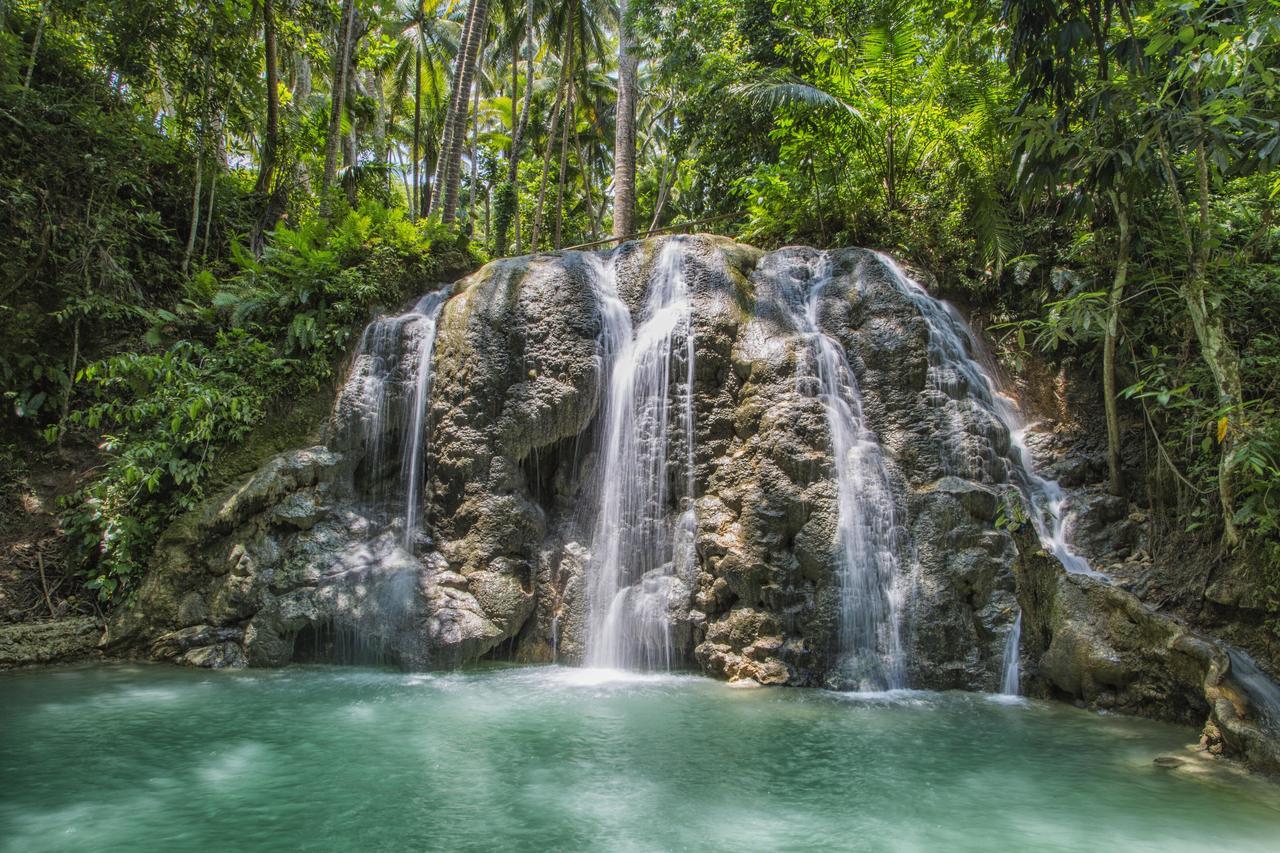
(636, 553)
(1010, 680)
(388, 390)
(960, 379)
(958, 376)
(383, 408)
(1263, 693)
(867, 527)
(415, 437)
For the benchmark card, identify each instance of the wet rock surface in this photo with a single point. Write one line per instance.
(1089, 641)
(304, 560)
(299, 554)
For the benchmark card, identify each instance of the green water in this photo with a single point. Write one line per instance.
(158, 758)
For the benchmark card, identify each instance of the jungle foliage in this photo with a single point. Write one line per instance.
(203, 199)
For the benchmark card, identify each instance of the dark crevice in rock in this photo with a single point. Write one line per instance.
(318, 643)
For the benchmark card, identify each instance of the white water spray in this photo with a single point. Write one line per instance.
(959, 380)
(637, 555)
(388, 390)
(867, 525)
(1010, 680)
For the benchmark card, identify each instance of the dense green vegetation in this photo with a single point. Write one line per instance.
(203, 199)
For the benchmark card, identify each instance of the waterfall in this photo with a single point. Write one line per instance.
(960, 379)
(1263, 693)
(381, 421)
(386, 395)
(867, 527)
(637, 555)
(428, 310)
(1010, 680)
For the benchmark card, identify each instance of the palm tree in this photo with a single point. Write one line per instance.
(450, 167)
(579, 26)
(596, 97)
(515, 31)
(341, 62)
(271, 194)
(426, 43)
(624, 158)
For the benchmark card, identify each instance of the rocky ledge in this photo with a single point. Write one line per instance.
(40, 643)
(304, 560)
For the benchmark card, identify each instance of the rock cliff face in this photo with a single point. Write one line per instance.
(310, 558)
(1091, 642)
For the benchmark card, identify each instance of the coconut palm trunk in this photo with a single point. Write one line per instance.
(562, 176)
(415, 197)
(536, 231)
(271, 194)
(1216, 347)
(585, 165)
(450, 128)
(271, 136)
(475, 157)
(1115, 474)
(624, 157)
(450, 170)
(517, 141)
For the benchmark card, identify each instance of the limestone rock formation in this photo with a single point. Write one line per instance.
(315, 557)
(59, 641)
(1089, 641)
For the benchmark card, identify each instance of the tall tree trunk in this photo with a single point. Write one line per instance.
(1215, 347)
(1119, 203)
(195, 210)
(381, 146)
(351, 142)
(208, 214)
(299, 172)
(415, 198)
(562, 177)
(271, 137)
(475, 157)
(500, 234)
(451, 153)
(301, 77)
(341, 59)
(517, 141)
(404, 178)
(661, 201)
(585, 165)
(891, 178)
(35, 44)
(451, 111)
(624, 156)
(218, 161)
(270, 195)
(427, 193)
